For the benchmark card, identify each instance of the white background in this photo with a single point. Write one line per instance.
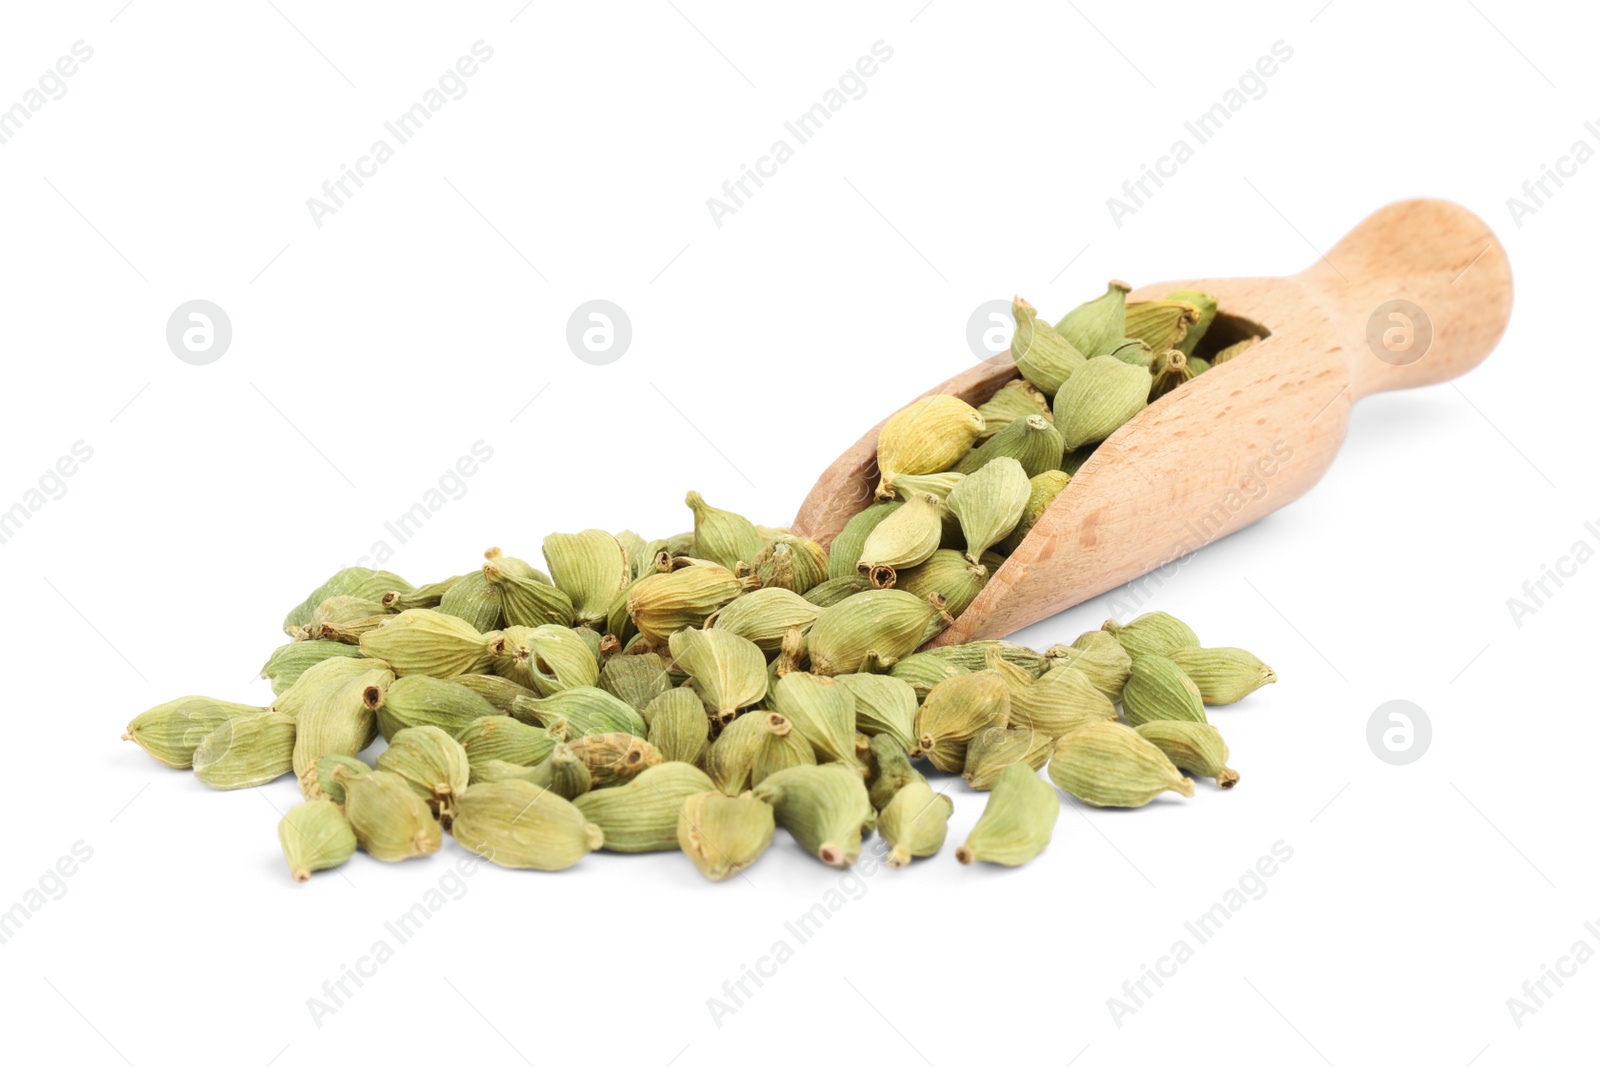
(425, 315)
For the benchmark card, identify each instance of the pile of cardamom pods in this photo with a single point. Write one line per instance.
(697, 692)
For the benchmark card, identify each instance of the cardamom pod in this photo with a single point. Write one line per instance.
(1161, 324)
(793, 563)
(315, 836)
(764, 616)
(925, 437)
(642, 816)
(1234, 350)
(914, 822)
(884, 706)
(527, 597)
(1045, 358)
(890, 770)
(582, 710)
(872, 629)
(635, 679)
(500, 737)
(1095, 328)
(1195, 747)
(957, 710)
(723, 537)
(591, 568)
(562, 772)
(433, 763)
(989, 503)
(1101, 397)
(823, 711)
(1206, 304)
(1016, 399)
(779, 748)
(317, 781)
(904, 539)
(497, 691)
(1223, 675)
(723, 835)
(287, 662)
(1109, 765)
(1017, 821)
(679, 727)
(363, 582)
(245, 751)
(1055, 704)
(390, 820)
(998, 747)
(424, 641)
(1100, 656)
(726, 671)
(614, 758)
(1170, 372)
(830, 592)
(417, 700)
(662, 604)
(1153, 634)
(519, 825)
(172, 731)
(1157, 690)
(340, 718)
(845, 551)
(1033, 442)
(1042, 491)
(824, 808)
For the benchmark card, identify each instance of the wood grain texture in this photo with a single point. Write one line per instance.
(1244, 438)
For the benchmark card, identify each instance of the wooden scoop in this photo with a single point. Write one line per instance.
(1245, 437)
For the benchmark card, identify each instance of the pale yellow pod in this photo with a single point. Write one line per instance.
(925, 437)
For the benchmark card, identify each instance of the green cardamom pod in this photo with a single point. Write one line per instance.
(723, 537)
(1017, 821)
(288, 662)
(1197, 366)
(823, 711)
(315, 836)
(390, 820)
(827, 594)
(1136, 353)
(904, 539)
(562, 772)
(318, 783)
(423, 641)
(1171, 371)
(499, 692)
(527, 597)
(890, 770)
(362, 582)
(591, 568)
(764, 616)
(583, 710)
(1157, 690)
(1195, 747)
(1161, 324)
(726, 671)
(1100, 656)
(642, 816)
(315, 681)
(914, 822)
(341, 718)
(519, 825)
(1016, 399)
(1206, 304)
(1045, 358)
(989, 503)
(500, 737)
(172, 731)
(246, 751)
(679, 727)
(974, 656)
(423, 596)
(433, 763)
(779, 748)
(790, 562)
(998, 747)
(1101, 397)
(1042, 491)
(723, 835)
(884, 706)
(1223, 675)
(1096, 327)
(662, 604)
(636, 679)
(546, 659)
(824, 808)
(614, 758)
(1055, 704)
(344, 619)
(872, 629)
(957, 710)
(417, 700)
(925, 670)
(845, 550)
(1153, 634)
(925, 437)
(1033, 442)
(731, 759)
(1109, 765)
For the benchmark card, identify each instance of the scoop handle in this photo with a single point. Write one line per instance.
(1419, 292)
